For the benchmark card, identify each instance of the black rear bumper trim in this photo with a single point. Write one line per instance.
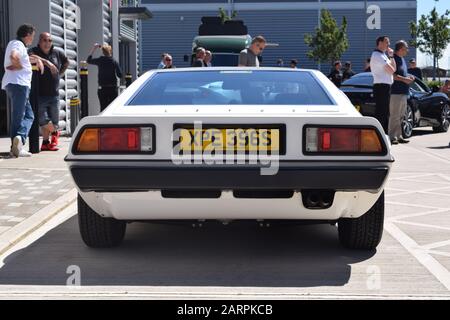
(169, 176)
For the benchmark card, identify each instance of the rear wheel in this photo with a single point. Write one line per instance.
(445, 120)
(98, 232)
(408, 123)
(364, 232)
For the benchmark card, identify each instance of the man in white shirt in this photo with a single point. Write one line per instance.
(382, 65)
(17, 84)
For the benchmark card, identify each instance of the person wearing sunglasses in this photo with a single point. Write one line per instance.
(168, 62)
(55, 64)
(249, 56)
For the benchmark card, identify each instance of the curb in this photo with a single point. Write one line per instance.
(156, 293)
(10, 238)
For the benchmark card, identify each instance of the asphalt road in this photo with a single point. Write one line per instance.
(243, 260)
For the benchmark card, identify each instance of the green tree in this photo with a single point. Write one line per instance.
(224, 15)
(329, 41)
(431, 35)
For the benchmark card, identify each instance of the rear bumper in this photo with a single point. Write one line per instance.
(151, 205)
(117, 176)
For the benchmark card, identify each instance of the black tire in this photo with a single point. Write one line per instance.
(445, 120)
(364, 232)
(98, 232)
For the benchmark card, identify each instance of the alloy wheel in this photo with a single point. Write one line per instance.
(408, 123)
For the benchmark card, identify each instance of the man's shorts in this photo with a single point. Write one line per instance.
(49, 110)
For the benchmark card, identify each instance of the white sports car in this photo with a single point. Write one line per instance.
(230, 144)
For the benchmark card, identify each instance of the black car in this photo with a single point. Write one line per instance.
(425, 107)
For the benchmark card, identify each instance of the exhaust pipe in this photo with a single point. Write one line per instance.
(312, 200)
(317, 199)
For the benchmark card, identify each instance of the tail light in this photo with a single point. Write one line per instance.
(116, 140)
(342, 140)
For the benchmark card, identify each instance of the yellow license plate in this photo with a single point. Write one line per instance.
(265, 140)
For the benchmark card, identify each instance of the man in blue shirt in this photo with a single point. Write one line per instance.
(399, 93)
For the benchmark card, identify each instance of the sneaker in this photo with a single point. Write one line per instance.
(17, 146)
(24, 154)
(55, 138)
(401, 140)
(48, 147)
(394, 141)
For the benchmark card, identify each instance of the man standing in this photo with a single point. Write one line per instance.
(336, 74)
(414, 70)
(399, 93)
(17, 84)
(445, 88)
(199, 61)
(382, 65)
(249, 57)
(348, 72)
(161, 64)
(208, 58)
(168, 62)
(108, 72)
(55, 64)
(293, 64)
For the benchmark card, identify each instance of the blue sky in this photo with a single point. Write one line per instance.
(424, 7)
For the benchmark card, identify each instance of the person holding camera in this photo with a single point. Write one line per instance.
(108, 73)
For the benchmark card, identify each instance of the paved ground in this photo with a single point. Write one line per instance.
(243, 261)
(28, 185)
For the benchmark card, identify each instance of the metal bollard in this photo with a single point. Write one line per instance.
(84, 112)
(74, 113)
(128, 79)
(33, 136)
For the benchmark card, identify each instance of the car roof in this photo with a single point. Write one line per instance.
(363, 74)
(196, 69)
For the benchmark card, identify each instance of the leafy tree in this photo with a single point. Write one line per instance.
(224, 15)
(329, 41)
(431, 35)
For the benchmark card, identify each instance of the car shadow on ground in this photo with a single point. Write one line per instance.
(241, 254)
(422, 132)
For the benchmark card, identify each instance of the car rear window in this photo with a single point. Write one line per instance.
(218, 87)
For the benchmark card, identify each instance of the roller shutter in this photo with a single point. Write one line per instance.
(106, 22)
(64, 32)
